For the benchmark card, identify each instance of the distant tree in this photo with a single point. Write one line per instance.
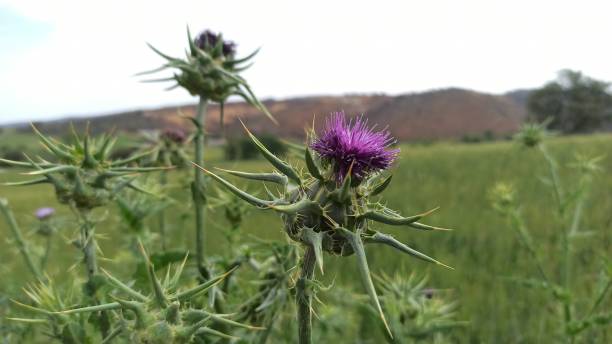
(574, 103)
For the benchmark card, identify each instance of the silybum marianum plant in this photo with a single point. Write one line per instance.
(210, 71)
(85, 178)
(417, 312)
(577, 315)
(334, 206)
(167, 314)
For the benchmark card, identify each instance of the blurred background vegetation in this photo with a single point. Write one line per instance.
(483, 249)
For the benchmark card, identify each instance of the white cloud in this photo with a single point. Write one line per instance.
(86, 62)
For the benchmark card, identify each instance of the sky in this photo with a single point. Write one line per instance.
(78, 58)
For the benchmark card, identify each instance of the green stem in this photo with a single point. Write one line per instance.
(199, 200)
(163, 180)
(303, 297)
(600, 298)
(554, 174)
(45, 257)
(524, 236)
(565, 240)
(88, 246)
(21, 244)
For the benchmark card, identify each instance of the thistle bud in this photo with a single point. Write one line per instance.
(173, 135)
(83, 173)
(44, 213)
(532, 134)
(503, 197)
(208, 41)
(211, 70)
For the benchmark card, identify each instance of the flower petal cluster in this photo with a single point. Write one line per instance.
(208, 40)
(347, 143)
(44, 213)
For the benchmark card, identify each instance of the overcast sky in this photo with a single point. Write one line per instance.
(62, 58)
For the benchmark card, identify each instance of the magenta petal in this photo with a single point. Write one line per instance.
(344, 143)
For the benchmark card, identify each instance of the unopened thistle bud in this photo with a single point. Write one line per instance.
(532, 134)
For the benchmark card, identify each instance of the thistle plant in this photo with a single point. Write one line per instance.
(332, 208)
(569, 201)
(84, 178)
(168, 147)
(416, 312)
(267, 306)
(209, 71)
(165, 315)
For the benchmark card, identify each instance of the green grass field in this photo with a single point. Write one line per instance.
(456, 177)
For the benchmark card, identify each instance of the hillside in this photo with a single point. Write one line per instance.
(438, 114)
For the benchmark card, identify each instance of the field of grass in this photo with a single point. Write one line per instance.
(483, 249)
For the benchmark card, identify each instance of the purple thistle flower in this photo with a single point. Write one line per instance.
(352, 143)
(207, 40)
(44, 213)
(175, 135)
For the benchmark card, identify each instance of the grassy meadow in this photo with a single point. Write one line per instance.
(456, 177)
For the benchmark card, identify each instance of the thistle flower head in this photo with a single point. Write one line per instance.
(503, 196)
(328, 209)
(83, 172)
(44, 213)
(346, 143)
(211, 70)
(532, 134)
(174, 135)
(208, 40)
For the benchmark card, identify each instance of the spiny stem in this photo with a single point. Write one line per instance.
(45, 257)
(88, 246)
(198, 200)
(21, 244)
(519, 226)
(303, 297)
(163, 180)
(565, 233)
(556, 182)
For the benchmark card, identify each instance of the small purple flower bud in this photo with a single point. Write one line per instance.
(44, 213)
(207, 40)
(428, 293)
(352, 143)
(177, 136)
